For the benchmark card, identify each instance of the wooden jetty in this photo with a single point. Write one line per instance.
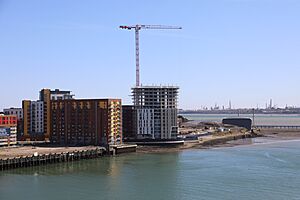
(43, 159)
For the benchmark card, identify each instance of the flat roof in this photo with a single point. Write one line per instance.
(156, 87)
(104, 99)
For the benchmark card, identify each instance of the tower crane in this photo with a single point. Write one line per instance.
(137, 28)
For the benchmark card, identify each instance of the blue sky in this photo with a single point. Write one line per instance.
(246, 51)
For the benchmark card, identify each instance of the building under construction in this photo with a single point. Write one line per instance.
(156, 111)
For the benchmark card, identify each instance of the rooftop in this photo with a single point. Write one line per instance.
(157, 87)
(57, 91)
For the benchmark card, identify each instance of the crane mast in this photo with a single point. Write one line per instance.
(137, 28)
(137, 57)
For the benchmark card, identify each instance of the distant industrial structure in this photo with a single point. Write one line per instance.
(270, 108)
(286, 110)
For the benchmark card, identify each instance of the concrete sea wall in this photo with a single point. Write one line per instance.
(224, 139)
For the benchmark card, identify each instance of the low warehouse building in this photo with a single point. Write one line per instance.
(240, 122)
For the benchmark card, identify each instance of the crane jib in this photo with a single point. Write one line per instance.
(137, 51)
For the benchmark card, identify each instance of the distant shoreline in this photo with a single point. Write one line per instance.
(206, 143)
(217, 141)
(241, 112)
(268, 135)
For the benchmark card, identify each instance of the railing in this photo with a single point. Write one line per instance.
(277, 127)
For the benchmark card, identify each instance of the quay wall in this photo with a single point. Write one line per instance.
(43, 159)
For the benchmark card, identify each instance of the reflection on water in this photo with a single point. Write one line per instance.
(266, 170)
(107, 177)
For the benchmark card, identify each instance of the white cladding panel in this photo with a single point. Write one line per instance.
(145, 122)
(37, 116)
(162, 101)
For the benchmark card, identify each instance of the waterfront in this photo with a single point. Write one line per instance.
(265, 170)
(260, 119)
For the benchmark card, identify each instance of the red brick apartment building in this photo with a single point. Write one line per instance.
(86, 122)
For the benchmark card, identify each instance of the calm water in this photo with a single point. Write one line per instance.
(259, 171)
(260, 119)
